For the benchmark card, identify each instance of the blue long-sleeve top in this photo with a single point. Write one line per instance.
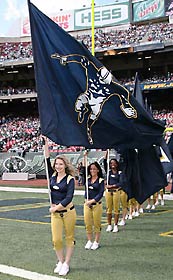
(114, 179)
(95, 190)
(61, 192)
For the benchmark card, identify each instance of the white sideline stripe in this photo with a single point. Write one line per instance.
(26, 274)
(36, 190)
(33, 190)
(78, 192)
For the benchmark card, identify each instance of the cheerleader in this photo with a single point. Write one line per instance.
(113, 194)
(63, 213)
(94, 189)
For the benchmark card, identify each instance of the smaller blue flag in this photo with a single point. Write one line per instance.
(144, 173)
(165, 157)
(146, 169)
(137, 92)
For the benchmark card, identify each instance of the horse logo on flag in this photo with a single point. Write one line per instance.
(99, 86)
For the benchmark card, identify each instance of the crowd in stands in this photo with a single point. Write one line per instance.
(165, 115)
(162, 78)
(11, 51)
(8, 91)
(153, 79)
(21, 135)
(12, 91)
(133, 35)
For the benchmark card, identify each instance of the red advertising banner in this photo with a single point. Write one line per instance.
(65, 19)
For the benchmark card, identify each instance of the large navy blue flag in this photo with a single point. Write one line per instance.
(143, 172)
(80, 102)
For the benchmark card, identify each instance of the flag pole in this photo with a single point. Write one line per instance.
(46, 167)
(107, 175)
(86, 172)
(92, 27)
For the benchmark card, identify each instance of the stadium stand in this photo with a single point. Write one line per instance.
(145, 47)
(11, 51)
(133, 35)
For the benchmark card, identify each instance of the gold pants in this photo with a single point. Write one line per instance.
(112, 202)
(123, 199)
(64, 221)
(92, 217)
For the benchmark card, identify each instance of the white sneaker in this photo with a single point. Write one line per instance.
(126, 217)
(156, 203)
(141, 210)
(95, 246)
(58, 267)
(88, 245)
(133, 214)
(130, 217)
(162, 202)
(137, 214)
(64, 269)
(122, 223)
(153, 207)
(115, 228)
(148, 206)
(109, 228)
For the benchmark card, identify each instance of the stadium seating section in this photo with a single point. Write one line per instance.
(115, 47)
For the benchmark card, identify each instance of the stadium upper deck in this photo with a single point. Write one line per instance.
(146, 47)
(143, 43)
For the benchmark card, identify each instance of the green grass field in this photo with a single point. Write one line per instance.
(141, 250)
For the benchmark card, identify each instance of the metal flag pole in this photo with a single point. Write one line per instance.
(86, 173)
(47, 173)
(107, 174)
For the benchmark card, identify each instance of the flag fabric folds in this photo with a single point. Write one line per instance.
(162, 150)
(165, 157)
(145, 169)
(143, 172)
(170, 144)
(80, 102)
